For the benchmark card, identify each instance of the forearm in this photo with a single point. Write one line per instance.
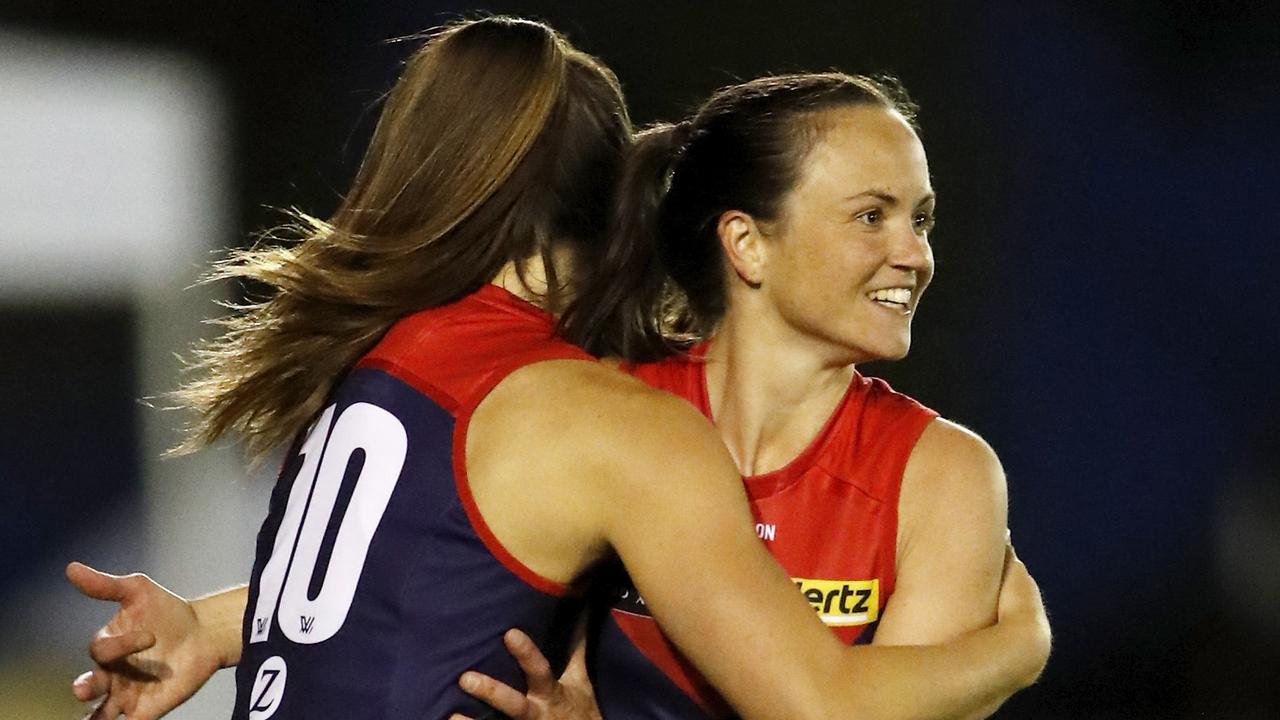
(221, 616)
(965, 678)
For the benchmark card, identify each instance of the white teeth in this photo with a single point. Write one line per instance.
(900, 296)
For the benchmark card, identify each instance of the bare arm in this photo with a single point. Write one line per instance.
(158, 649)
(951, 536)
(641, 472)
(713, 599)
(222, 616)
(953, 513)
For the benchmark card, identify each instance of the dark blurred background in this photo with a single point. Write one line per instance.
(1104, 311)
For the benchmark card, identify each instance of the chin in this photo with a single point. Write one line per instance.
(897, 354)
(894, 349)
(860, 351)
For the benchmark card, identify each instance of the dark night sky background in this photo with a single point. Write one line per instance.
(1105, 310)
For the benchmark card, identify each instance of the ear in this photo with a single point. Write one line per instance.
(743, 245)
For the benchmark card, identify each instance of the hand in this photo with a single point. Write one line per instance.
(1020, 603)
(569, 698)
(151, 656)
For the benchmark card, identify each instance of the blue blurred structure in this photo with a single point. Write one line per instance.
(1105, 311)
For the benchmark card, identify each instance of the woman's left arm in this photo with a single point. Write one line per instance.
(952, 532)
(952, 518)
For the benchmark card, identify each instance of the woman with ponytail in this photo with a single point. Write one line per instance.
(794, 214)
(458, 468)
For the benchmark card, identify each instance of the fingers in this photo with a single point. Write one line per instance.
(91, 685)
(1019, 593)
(1010, 559)
(536, 667)
(575, 671)
(95, 584)
(106, 648)
(502, 697)
(107, 710)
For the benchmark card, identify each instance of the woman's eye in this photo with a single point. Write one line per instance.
(923, 222)
(871, 217)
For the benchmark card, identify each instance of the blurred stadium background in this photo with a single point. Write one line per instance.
(1105, 311)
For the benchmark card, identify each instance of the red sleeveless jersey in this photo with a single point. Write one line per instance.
(376, 581)
(830, 517)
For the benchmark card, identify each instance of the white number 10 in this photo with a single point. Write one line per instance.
(326, 455)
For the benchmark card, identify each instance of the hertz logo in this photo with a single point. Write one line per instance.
(840, 603)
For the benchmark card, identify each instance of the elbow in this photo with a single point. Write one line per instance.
(1041, 649)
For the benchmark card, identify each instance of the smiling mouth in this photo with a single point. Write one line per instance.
(896, 299)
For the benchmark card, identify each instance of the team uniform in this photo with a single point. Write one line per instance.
(376, 582)
(830, 517)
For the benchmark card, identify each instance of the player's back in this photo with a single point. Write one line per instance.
(376, 581)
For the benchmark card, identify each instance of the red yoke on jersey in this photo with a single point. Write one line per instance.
(830, 517)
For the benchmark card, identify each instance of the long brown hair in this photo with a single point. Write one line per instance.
(498, 141)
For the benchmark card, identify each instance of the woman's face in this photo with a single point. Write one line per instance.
(849, 257)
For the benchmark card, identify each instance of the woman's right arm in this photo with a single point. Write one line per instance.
(158, 649)
(643, 473)
(602, 463)
(674, 509)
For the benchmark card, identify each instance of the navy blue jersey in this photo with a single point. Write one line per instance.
(376, 582)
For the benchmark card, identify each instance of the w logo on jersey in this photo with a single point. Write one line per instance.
(840, 603)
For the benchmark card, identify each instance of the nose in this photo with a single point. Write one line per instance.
(910, 251)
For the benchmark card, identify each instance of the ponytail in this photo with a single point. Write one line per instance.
(627, 305)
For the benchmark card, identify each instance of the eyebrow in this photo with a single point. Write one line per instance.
(889, 198)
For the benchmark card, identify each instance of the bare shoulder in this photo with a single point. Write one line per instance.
(583, 446)
(587, 407)
(953, 482)
(949, 454)
(952, 514)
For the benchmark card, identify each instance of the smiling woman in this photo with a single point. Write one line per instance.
(845, 268)
(795, 213)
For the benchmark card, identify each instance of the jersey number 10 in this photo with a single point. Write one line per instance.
(287, 575)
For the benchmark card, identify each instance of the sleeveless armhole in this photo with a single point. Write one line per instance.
(905, 428)
(465, 410)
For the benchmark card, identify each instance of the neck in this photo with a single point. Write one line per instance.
(771, 390)
(534, 287)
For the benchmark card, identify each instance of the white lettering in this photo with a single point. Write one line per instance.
(766, 531)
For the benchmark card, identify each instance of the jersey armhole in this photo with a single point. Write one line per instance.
(910, 437)
(462, 422)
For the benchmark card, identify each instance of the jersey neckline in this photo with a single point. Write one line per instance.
(770, 483)
(500, 297)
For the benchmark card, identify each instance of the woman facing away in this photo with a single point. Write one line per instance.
(794, 211)
(459, 470)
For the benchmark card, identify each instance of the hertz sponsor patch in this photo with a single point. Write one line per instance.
(840, 603)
